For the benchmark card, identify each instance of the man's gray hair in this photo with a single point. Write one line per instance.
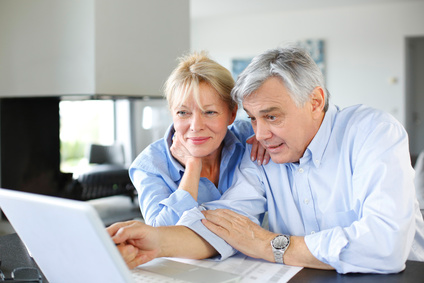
(292, 64)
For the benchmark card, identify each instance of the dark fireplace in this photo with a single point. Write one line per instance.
(30, 145)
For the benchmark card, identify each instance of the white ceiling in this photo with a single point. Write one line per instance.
(214, 8)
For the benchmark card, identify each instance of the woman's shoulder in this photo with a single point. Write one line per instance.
(153, 158)
(242, 130)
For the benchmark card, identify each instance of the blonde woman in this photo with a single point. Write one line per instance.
(195, 161)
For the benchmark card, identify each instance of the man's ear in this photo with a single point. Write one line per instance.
(317, 101)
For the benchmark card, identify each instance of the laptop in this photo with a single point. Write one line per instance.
(69, 243)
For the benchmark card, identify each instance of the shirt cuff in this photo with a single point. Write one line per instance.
(179, 202)
(192, 220)
(327, 245)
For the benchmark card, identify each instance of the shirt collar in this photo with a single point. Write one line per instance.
(319, 143)
(176, 169)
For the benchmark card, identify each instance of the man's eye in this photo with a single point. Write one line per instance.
(251, 118)
(271, 118)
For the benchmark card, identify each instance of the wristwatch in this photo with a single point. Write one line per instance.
(279, 245)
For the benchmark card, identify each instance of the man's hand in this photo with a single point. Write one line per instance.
(240, 232)
(258, 152)
(138, 243)
(252, 240)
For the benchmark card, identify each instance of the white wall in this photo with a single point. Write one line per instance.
(80, 47)
(364, 46)
(46, 47)
(137, 43)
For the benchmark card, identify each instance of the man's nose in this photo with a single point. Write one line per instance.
(262, 131)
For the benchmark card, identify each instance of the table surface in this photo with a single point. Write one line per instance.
(14, 254)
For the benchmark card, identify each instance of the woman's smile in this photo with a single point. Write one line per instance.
(198, 140)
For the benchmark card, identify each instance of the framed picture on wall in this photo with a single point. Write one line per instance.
(238, 65)
(315, 47)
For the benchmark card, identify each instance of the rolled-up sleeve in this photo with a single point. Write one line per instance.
(246, 196)
(160, 205)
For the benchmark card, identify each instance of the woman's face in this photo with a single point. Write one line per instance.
(202, 128)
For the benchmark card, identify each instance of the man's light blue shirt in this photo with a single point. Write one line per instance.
(156, 174)
(351, 195)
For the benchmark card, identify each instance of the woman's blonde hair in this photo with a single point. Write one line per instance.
(194, 69)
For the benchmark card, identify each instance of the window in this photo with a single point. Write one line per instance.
(81, 124)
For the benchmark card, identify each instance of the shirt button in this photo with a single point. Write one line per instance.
(301, 170)
(313, 232)
(306, 201)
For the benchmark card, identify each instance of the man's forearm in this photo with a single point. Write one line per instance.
(252, 240)
(298, 254)
(139, 243)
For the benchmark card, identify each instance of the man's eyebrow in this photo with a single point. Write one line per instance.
(267, 110)
(264, 111)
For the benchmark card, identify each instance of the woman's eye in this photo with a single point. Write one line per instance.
(210, 112)
(181, 113)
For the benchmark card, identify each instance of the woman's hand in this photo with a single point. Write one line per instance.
(258, 151)
(179, 151)
(193, 167)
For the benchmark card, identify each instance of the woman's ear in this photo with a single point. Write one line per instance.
(233, 114)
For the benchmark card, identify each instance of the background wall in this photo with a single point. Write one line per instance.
(46, 47)
(364, 45)
(74, 47)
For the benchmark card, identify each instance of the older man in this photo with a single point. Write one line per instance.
(339, 191)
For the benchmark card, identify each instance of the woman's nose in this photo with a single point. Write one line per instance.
(197, 123)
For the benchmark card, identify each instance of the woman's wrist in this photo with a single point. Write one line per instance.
(194, 163)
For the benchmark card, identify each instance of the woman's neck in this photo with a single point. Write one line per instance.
(210, 166)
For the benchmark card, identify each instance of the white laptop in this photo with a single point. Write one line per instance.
(70, 244)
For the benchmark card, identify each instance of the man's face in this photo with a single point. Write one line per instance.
(282, 128)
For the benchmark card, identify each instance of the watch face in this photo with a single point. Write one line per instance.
(280, 242)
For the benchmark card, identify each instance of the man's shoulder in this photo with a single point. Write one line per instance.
(360, 125)
(364, 116)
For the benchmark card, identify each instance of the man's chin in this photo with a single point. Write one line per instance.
(281, 158)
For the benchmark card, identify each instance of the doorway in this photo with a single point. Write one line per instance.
(415, 93)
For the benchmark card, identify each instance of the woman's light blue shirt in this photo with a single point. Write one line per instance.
(157, 175)
(351, 195)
